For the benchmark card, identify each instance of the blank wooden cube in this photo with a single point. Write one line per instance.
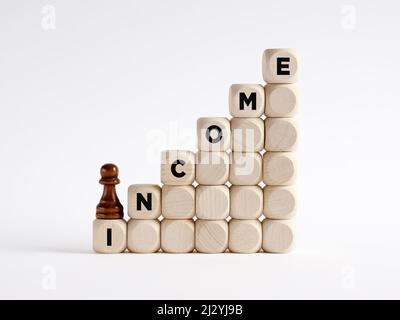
(214, 134)
(280, 66)
(279, 202)
(177, 236)
(211, 236)
(144, 236)
(278, 236)
(247, 134)
(212, 168)
(246, 202)
(109, 235)
(280, 134)
(246, 100)
(279, 168)
(280, 100)
(246, 169)
(245, 236)
(178, 167)
(144, 201)
(212, 202)
(178, 202)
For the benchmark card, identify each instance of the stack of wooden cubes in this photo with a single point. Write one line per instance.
(280, 69)
(236, 193)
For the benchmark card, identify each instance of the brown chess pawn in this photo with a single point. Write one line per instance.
(109, 206)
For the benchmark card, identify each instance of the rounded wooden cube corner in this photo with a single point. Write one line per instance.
(144, 201)
(279, 168)
(280, 202)
(281, 100)
(212, 202)
(109, 235)
(278, 236)
(143, 236)
(178, 167)
(211, 236)
(245, 236)
(213, 134)
(280, 66)
(246, 202)
(281, 134)
(178, 202)
(177, 236)
(246, 100)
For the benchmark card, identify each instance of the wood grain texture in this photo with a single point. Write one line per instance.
(246, 100)
(178, 167)
(279, 168)
(245, 169)
(280, 66)
(213, 134)
(212, 202)
(178, 202)
(279, 202)
(144, 201)
(280, 134)
(245, 236)
(278, 236)
(211, 236)
(109, 206)
(281, 100)
(247, 134)
(109, 235)
(246, 202)
(177, 236)
(212, 168)
(144, 236)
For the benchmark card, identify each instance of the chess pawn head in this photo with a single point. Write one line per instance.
(109, 206)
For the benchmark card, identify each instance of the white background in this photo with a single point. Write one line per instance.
(119, 81)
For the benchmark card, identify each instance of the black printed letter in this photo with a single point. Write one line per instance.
(280, 66)
(243, 99)
(141, 200)
(173, 168)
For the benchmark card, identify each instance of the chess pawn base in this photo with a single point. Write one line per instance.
(109, 236)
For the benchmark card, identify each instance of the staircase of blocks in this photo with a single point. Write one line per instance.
(236, 194)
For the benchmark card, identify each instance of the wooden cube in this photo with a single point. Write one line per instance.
(213, 134)
(178, 202)
(246, 169)
(246, 202)
(144, 201)
(280, 134)
(177, 236)
(279, 168)
(247, 134)
(280, 100)
(212, 202)
(212, 168)
(245, 236)
(178, 167)
(144, 236)
(246, 100)
(280, 66)
(278, 236)
(109, 235)
(211, 236)
(279, 202)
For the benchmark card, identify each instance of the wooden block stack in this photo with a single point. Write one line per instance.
(212, 194)
(280, 69)
(246, 105)
(178, 169)
(235, 159)
(144, 209)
